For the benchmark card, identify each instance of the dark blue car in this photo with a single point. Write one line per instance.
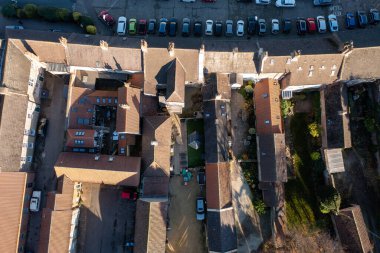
(350, 20)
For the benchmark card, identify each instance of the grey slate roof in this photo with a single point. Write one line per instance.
(216, 130)
(221, 231)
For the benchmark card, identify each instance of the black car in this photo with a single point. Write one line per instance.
(218, 29)
(374, 16)
(152, 26)
(362, 19)
(197, 28)
(301, 26)
(173, 27)
(287, 25)
(201, 177)
(251, 25)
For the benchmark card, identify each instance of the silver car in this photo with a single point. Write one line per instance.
(229, 28)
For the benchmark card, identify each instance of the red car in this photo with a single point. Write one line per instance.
(105, 17)
(142, 27)
(311, 25)
(129, 194)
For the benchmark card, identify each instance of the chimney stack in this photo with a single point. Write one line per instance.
(103, 45)
(63, 41)
(171, 49)
(144, 46)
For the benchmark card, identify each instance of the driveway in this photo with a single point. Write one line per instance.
(47, 151)
(185, 234)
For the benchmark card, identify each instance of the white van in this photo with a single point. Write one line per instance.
(35, 201)
(121, 26)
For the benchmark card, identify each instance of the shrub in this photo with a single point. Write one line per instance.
(259, 206)
(248, 89)
(63, 14)
(48, 13)
(297, 162)
(30, 10)
(286, 107)
(370, 124)
(90, 29)
(76, 16)
(315, 156)
(85, 21)
(252, 131)
(329, 200)
(21, 13)
(314, 129)
(9, 11)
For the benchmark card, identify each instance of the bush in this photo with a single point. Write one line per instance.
(9, 11)
(248, 89)
(314, 129)
(297, 162)
(21, 13)
(63, 14)
(286, 107)
(315, 156)
(76, 16)
(90, 29)
(259, 206)
(48, 13)
(329, 200)
(252, 131)
(85, 21)
(30, 10)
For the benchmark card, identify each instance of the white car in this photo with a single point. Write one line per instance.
(35, 201)
(321, 24)
(263, 2)
(240, 28)
(286, 3)
(333, 23)
(209, 27)
(121, 26)
(275, 26)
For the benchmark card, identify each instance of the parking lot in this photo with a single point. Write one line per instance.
(221, 10)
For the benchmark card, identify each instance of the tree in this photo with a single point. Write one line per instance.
(63, 14)
(315, 156)
(329, 200)
(248, 88)
(259, 206)
(30, 10)
(21, 13)
(314, 129)
(9, 11)
(286, 107)
(85, 21)
(76, 16)
(90, 29)
(48, 13)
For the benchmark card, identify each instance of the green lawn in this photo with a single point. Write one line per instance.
(195, 155)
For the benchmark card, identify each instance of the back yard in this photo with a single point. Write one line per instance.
(195, 156)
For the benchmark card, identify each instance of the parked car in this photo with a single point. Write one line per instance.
(275, 26)
(162, 30)
(286, 3)
(200, 208)
(42, 127)
(350, 20)
(188, 1)
(201, 177)
(218, 29)
(251, 25)
(322, 2)
(132, 26)
(301, 26)
(173, 25)
(152, 26)
(106, 18)
(186, 24)
(129, 194)
(240, 28)
(263, 2)
(287, 25)
(209, 27)
(374, 16)
(262, 26)
(229, 28)
(362, 19)
(311, 25)
(209, 1)
(321, 23)
(142, 27)
(35, 201)
(333, 23)
(15, 27)
(197, 28)
(121, 26)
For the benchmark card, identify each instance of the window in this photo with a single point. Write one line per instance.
(41, 78)
(122, 150)
(89, 110)
(97, 100)
(30, 145)
(103, 100)
(31, 83)
(32, 132)
(265, 95)
(29, 185)
(29, 159)
(115, 100)
(79, 142)
(109, 100)
(267, 122)
(79, 133)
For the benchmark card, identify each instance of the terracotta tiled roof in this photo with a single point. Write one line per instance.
(352, 230)
(221, 231)
(13, 193)
(150, 229)
(156, 141)
(218, 187)
(79, 167)
(128, 110)
(267, 107)
(86, 135)
(12, 125)
(157, 61)
(175, 84)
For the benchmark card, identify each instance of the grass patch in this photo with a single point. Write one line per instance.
(195, 156)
